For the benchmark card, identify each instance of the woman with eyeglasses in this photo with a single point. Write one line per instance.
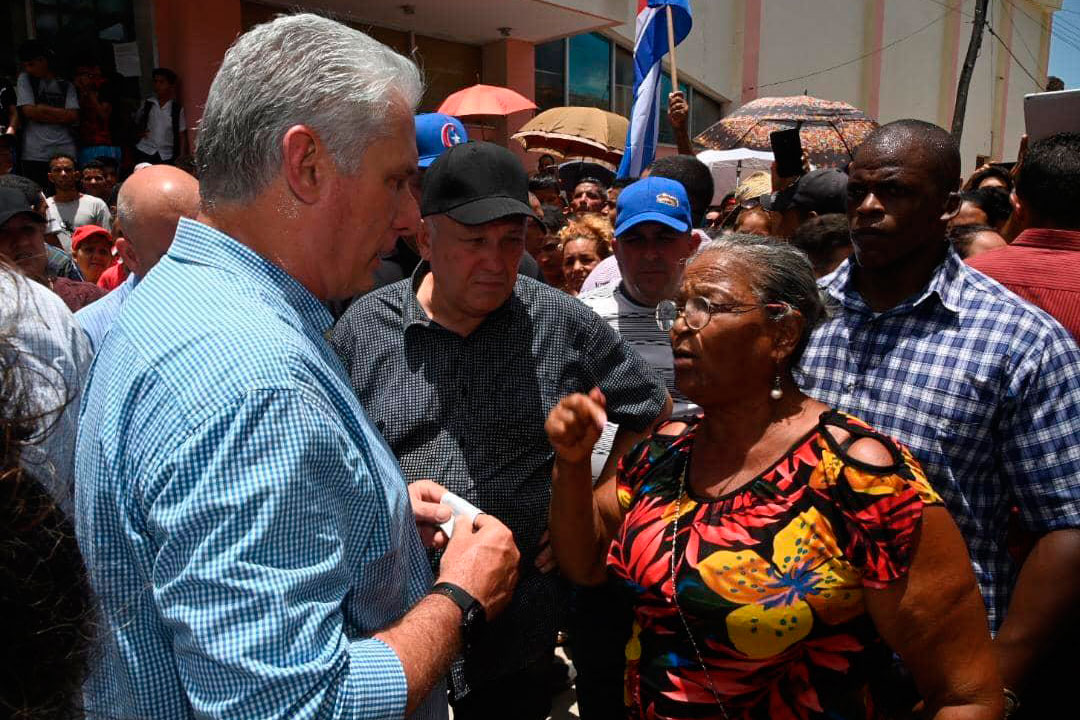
(777, 552)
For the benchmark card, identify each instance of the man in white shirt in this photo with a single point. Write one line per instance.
(50, 107)
(162, 120)
(70, 209)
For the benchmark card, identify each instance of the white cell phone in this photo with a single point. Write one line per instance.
(458, 506)
(1049, 113)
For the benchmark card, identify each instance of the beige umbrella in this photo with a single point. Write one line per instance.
(576, 131)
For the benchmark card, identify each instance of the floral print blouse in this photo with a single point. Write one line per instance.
(769, 578)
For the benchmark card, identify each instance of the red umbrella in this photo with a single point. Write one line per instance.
(485, 100)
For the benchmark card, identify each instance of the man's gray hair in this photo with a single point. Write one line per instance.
(777, 272)
(297, 70)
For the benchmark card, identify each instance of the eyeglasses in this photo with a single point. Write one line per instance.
(698, 311)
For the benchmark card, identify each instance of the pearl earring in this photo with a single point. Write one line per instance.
(776, 393)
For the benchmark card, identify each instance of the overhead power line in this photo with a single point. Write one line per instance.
(881, 49)
(1039, 84)
(1059, 28)
(990, 28)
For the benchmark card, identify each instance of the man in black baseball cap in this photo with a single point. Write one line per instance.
(819, 192)
(22, 234)
(458, 367)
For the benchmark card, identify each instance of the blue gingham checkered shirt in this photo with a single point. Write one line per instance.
(97, 317)
(244, 527)
(982, 386)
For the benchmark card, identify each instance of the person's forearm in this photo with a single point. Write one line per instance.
(1045, 600)
(426, 640)
(578, 536)
(682, 140)
(49, 114)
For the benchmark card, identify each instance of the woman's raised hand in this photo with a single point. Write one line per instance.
(575, 424)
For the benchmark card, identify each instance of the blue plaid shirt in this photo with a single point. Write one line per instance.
(245, 529)
(985, 390)
(97, 317)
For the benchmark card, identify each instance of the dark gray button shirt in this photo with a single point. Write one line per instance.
(469, 412)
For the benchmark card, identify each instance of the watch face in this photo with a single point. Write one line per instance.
(474, 616)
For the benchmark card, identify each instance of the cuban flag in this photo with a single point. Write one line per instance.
(650, 46)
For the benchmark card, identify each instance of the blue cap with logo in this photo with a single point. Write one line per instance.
(435, 134)
(654, 199)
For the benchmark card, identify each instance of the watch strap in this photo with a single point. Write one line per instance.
(461, 598)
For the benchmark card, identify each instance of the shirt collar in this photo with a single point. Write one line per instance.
(201, 244)
(946, 284)
(1050, 239)
(412, 312)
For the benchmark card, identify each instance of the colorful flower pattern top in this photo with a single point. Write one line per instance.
(770, 578)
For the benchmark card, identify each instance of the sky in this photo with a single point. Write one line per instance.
(1065, 60)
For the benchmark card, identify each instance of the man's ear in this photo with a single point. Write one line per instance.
(126, 252)
(306, 163)
(423, 238)
(1021, 217)
(695, 242)
(952, 207)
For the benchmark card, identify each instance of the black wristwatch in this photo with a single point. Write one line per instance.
(473, 616)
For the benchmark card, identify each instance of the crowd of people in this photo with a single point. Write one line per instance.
(810, 452)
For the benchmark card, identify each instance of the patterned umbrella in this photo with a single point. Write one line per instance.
(830, 131)
(576, 131)
(485, 100)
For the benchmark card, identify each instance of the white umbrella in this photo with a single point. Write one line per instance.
(727, 167)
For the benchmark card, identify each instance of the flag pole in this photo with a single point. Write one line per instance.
(671, 50)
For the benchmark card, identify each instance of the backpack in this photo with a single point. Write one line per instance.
(35, 86)
(174, 111)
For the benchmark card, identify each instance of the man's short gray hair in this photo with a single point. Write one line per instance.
(297, 70)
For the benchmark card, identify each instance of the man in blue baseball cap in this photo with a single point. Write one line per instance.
(435, 134)
(653, 238)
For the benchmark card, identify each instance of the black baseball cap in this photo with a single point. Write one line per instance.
(821, 191)
(475, 183)
(13, 202)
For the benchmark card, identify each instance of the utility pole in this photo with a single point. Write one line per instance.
(969, 67)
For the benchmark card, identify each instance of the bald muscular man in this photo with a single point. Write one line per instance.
(150, 204)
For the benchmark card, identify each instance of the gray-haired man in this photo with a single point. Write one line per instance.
(247, 532)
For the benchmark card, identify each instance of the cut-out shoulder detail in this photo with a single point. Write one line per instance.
(871, 451)
(672, 429)
(864, 447)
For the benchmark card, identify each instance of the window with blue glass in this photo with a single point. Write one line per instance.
(591, 70)
(624, 81)
(589, 76)
(551, 74)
